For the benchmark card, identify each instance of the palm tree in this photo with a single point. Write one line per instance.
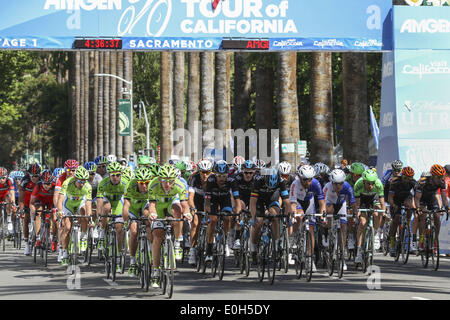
(178, 96)
(321, 108)
(106, 102)
(86, 107)
(93, 102)
(166, 123)
(207, 99)
(222, 97)
(288, 104)
(112, 104)
(119, 139)
(242, 85)
(356, 119)
(193, 101)
(100, 150)
(82, 106)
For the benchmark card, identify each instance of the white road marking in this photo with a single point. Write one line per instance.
(111, 283)
(419, 298)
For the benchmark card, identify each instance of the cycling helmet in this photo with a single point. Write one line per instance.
(143, 160)
(221, 167)
(143, 174)
(397, 165)
(408, 171)
(193, 165)
(369, 176)
(249, 164)
(306, 172)
(178, 173)
(152, 160)
(437, 170)
(47, 176)
(81, 173)
(260, 164)
(167, 171)
(57, 172)
(90, 166)
(425, 174)
(154, 169)
(123, 160)
(34, 169)
(189, 166)
(357, 168)
(284, 167)
(71, 164)
(111, 158)
(205, 165)
(238, 161)
(337, 176)
(101, 160)
(180, 165)
(271, 178)
(114, 167)
(3, 172)
(127, 174)
(321, 168)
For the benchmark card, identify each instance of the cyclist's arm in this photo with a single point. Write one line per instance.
(252, 206)
(21, 197)
(191, 202)
(12, 196)
(125, 210)
(391, 199)
(152, 208)
(382, 203)
(443, 196)
(88, 207)
(56, 196)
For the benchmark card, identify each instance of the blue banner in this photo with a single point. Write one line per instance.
(374, 127)
(353, 25)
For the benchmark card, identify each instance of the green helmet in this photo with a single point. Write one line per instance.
(154, 169)
(81, 173)
(180, 165)
(167, 171)
(369, 175)
(143, 174)
(144, 160)
(357, 168)
(114, 167)
(127, 174)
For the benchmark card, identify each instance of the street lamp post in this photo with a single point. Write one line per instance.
(131, 100)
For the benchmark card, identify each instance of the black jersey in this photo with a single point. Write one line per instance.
(245, 188)
(195, 185)
(429, 189)
(263, 191)
(402, 190)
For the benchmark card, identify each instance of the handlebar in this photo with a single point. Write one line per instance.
(370, 210)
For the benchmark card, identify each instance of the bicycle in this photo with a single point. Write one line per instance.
(201, 241)
(284, 243)
(143, 261)
(244, 251)
(111, 248)
(303, 241)
(44, 235)
(4, 223)
(402, 241)
(218, 261)
(167, 264)
(18, 231)
(431, 240)
(368, 243)
(335, 252)
(267, 251)
(74, 248)
(385, 235)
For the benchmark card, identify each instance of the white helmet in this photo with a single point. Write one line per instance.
(321, 168)
(189, 166)
(205, 165)
(337, 176)
(111, 158)
(152, 160)
(260, 164)
(238, 161)
(284, 167)
(306, 172)
(178, 173)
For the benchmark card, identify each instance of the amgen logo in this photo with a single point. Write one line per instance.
(426, 26)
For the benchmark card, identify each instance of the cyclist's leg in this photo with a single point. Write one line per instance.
(26, 221)
(312, 223)
(37, 218)
(342, 213)
(116, 210)
(177, 212)
(157, 230)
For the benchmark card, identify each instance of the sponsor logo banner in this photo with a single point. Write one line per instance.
(171, 43)
(342, 44)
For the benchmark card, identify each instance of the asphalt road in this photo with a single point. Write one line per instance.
(21, 278)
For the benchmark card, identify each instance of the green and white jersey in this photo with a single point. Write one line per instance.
(157, 193)
(360, 190)
(108, 191)
(138, 200)
(74, 197)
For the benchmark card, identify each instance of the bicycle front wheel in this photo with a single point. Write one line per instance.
(272, 253)
(221, 255)
(146, 264)
(309, 256)
(434, 249)
(405, 243)
(299, 258)
(260, 260)
(113, 248)
(340, 254)
(368, 249)
(169, 269)
(425, 255)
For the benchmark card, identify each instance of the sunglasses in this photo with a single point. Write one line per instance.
(81, 181)
(144, 182)
(115, 174)
(47, 183)
(4, 177)
(35, 176)
(338, 183)
(307, 180)
(167, 180)
(221, 175)
(71, 170)
(397, 171)
(249, 172)
(285, 176)
(205, 172)
(370, 183)
(102, 166)
(91, 173)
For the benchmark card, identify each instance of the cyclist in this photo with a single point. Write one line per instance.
(369, 193)
(144, 161)
(57, 173)
(7, 194)
(322, 173)
(168, 197)
(76, 196)
(447, 179)
(284, 169)
(197, 188)
(94, 178)
(401, 193)
(336, 192)
(127, 175)
(123, 162)
(102, 163)
(301, 198)
(42, 197)
(111, 158)
(356, 170)
(267, 190)
(26, 189)
(221, 192)
(427, 196)
(135, 200)
(110, 201)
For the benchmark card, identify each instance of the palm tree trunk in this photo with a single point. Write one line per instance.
(120, 85)
(193, 102)
(242, 86)
(178, 97)
(222, 97)
(356, 119)
(86, 106)
(93, 102)
(100, 149)
(106, 102)
(128, 75)
(288, 104)
(112, 103)
(264, 116)
(207, 99)
(82, 106)
(321, 108)
(166, 123)
(73, 103)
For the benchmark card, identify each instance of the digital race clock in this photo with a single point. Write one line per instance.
(98, 44)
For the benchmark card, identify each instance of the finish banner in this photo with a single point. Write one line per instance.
(356, 24)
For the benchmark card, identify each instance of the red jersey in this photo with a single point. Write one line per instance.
(447, 183)
(28, 186)
(44, 196)
(6, 187)
(60, 181)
